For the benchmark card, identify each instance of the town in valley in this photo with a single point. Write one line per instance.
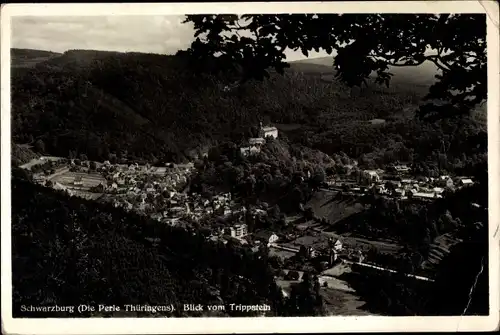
(287, 175)
(163, 193)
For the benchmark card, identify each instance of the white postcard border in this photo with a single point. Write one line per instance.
(254, 325)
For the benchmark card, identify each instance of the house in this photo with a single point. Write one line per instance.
(438, 190)
(245, 151)
(446, 181)
(268, 131)
(401, 168)
(177, 209)
(266, 236)
(399, 192)
(466, 182)
(99, 188)
(256, 141)
(251, 150)
(311, 252)
(227, 211)
(330, 182)
(240, 230)
(336, 245)
(78, 181)
(172, 221)
(425, 196)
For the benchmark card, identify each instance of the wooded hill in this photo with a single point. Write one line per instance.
(156, 108)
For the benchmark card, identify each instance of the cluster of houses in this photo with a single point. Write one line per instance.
(255, 144)
(122, 178)
(171, 207)
(422, 188)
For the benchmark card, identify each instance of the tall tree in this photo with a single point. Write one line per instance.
(249, 45)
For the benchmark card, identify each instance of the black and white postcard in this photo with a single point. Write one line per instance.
(250, 167)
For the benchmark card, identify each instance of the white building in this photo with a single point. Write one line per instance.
(268, 131)
(402, 168)
(247, 151)
(256, 141)
(240, 230)
(426, 196)
(78, 181)
(267, 237)
(466, 182)
(337, 246)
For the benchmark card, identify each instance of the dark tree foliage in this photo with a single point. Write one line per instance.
(305, 299)
(249, 45)
(275, 175)
(461, 278)
(415, 224)
(462, 282)
(68, 251)
(140, 107)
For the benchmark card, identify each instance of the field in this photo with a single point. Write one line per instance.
(283, 254)
(325, 205)
(39, 161)
(318, 241)
(363, 244)
(439, 249)
(339, 302)
(89, 180)
(287, 126)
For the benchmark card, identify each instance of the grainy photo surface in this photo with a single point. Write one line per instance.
(249, 165)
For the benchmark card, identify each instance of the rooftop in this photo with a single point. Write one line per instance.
(269, 128)
(256, 140)
(424, 195)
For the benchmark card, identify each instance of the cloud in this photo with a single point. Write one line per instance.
(157, 34)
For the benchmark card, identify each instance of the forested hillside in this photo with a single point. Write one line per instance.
(153, 107)
(68, 251)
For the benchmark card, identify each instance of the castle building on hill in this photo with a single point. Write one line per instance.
(268, 131)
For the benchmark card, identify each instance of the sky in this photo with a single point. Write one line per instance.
(153, 34)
